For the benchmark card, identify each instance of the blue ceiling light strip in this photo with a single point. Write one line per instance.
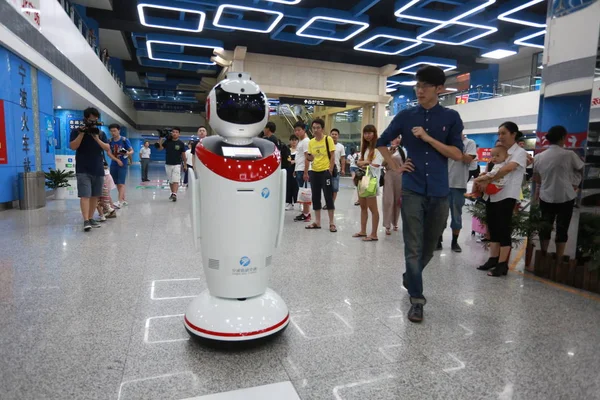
(193, 24)
(223, 20)
(176, 42)
(531, 38)
(516, 13)
(325, 18)
(295, 17)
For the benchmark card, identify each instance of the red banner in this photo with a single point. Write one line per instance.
(484, 154)
(3, 144)
(574, 140)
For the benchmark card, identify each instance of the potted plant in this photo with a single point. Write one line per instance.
(58, 180)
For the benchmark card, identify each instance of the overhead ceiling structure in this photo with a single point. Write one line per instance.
(178, 38)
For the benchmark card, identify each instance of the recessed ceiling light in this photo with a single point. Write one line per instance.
(499, 54)
(59, 107)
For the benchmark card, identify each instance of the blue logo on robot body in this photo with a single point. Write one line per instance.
(265, 193)
(244, 261)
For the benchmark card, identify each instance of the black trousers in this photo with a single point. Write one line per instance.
(559, 212)
(474, 173)
(145, 163)
(499, 220)
(321, 181)
(291, 194)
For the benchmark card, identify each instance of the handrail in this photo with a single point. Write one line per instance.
(90, 37)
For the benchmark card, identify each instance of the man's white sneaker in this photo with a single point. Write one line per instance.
(117, 204)
(289, 207)
(102, 218)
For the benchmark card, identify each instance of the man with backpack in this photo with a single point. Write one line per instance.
(284, 150)
(120, 150)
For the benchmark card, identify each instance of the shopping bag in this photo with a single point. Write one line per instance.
(368, 185)
(305, 195)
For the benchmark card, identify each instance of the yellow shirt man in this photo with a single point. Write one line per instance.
(319, 150)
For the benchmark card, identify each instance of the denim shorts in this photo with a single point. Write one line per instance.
(119, 174)
(335, 184)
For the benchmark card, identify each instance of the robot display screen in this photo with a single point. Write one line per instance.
(242, 152)
(243, 109)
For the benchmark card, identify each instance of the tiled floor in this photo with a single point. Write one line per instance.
(98, 316)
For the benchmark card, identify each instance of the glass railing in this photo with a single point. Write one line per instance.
(91, 38)
(505, 88)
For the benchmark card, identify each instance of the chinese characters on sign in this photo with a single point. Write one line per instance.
(312, 102)
(24, 118)
(244, 271)
(29, 9)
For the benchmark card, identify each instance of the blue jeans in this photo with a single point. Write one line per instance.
(423, 220)
(457, 202)
(335, 184)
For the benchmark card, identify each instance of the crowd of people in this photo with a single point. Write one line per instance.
(423, 160)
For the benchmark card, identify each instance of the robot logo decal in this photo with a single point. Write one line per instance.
(265, 193)
(244, 261)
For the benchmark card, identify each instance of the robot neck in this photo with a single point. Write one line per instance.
(237, 141)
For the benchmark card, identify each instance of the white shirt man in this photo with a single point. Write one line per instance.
(458, 176)
(302, 167)
(340, 162)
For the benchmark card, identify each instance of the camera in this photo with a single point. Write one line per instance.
(164, 133)
(91, 127)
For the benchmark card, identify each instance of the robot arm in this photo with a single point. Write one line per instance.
(282, 193)
(195, 214)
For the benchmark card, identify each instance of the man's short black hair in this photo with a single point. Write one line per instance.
(294, 137)
(271, 126)
(114, 126)
(176, 128)
(432, 75)
(201, 126)
(319, 121)
(556, 134)
(335, 130)
(300, 124)
(91, 111)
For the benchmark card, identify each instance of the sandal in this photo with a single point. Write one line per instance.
(332, 228)
(359, 235)
(370, 239)
(313, 226)
(388, 231)
(396, 228)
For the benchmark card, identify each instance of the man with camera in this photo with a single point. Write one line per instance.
(89, 144)
(120, 150)
(175, 150)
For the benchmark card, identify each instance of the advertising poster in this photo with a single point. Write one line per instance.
(484, 154)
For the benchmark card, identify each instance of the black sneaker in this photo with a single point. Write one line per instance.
(87, 226)
(456, 248)
(171, 196)
(415, 314)
(439, 245)
(94, 223)
(174, 198)
(300, 217)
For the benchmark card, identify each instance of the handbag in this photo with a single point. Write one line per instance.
(305, 194)
(368, 185)
(335, 170)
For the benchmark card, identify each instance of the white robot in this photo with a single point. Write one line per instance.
(238, 199)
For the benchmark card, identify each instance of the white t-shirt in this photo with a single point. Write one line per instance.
(458, 171)
(145, 152)
(514, 180)
(353, 158)
(340, 152)
(300, 150)
(560, 170)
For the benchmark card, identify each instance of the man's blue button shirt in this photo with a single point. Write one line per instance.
(430, 177)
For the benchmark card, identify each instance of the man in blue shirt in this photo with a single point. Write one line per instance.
(120, 150)
(89, 144)
(432, 135)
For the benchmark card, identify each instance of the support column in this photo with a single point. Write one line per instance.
(37, 147)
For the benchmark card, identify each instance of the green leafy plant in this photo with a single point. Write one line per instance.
(56, 178)
(525, 224)
(588, 240)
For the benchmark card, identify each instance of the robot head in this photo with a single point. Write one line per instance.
(236, 108)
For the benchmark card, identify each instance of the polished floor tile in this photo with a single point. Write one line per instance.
(100, 315)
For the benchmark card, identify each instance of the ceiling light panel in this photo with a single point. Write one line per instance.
(527, 40)
(499, 54)
(223, 21)
(516, 14)
(171, 24)
(324, 18)
(426, 36)
(413, 9)
(411, 66)
(406, 42)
